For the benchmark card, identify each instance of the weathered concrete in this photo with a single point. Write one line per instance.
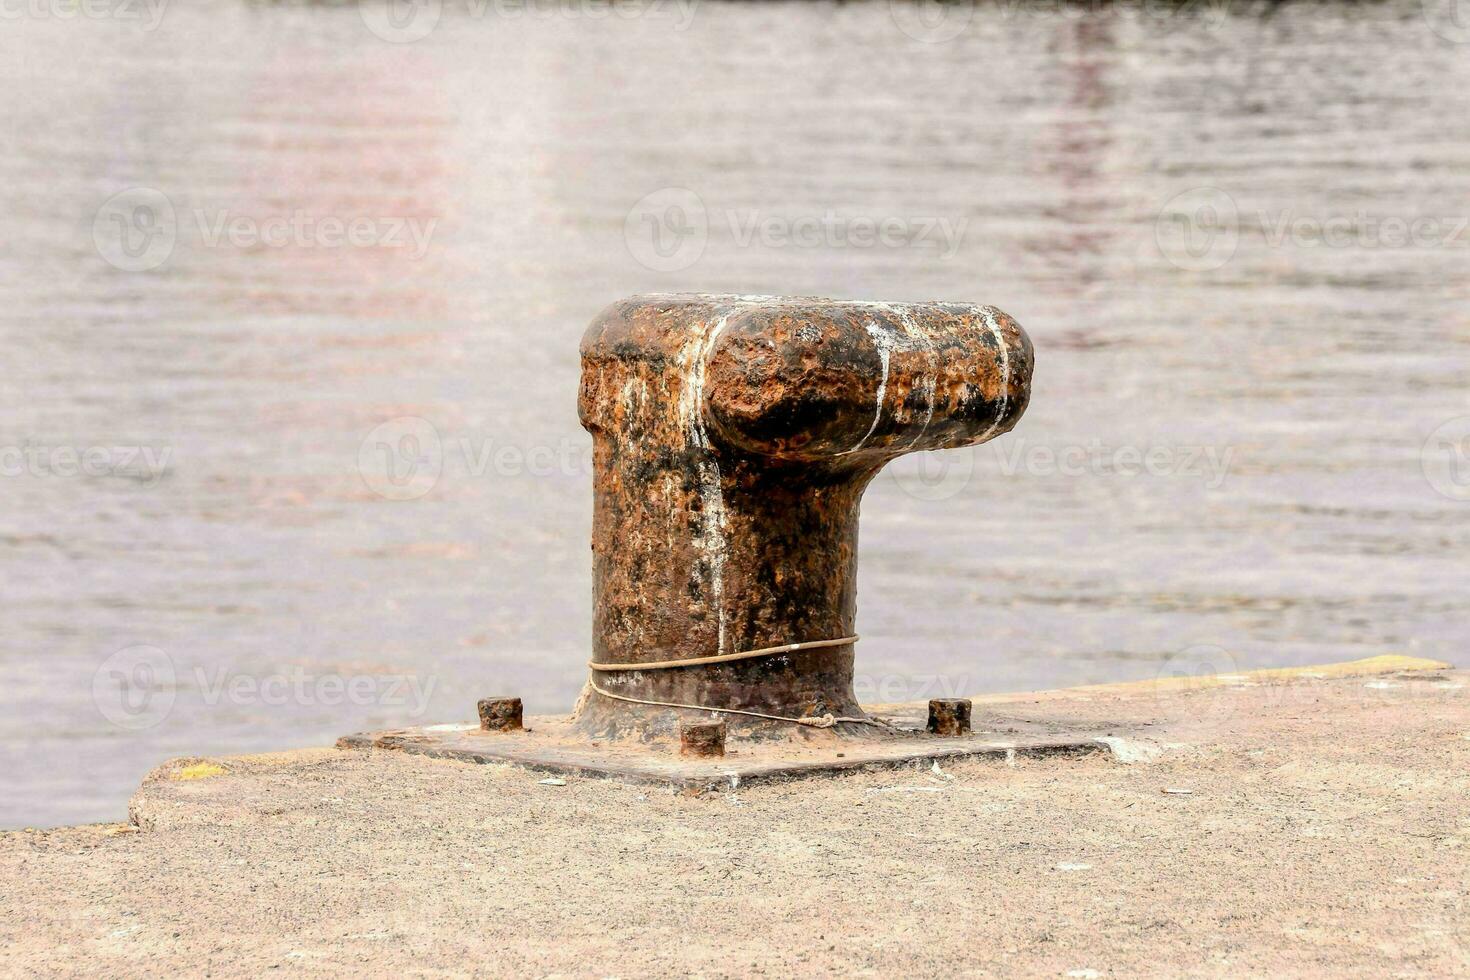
(733, 438)
(1302, 823)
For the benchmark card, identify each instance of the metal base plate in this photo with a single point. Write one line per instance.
(549, 744)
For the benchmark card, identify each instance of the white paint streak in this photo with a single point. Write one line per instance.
(634, 394)
(913, 339)
(988, 313)
(713, 542)
(885, 342)
(929, 383)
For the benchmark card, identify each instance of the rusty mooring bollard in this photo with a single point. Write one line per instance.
(733, 438)
(500, 714)
(949, 716)
(702, 738)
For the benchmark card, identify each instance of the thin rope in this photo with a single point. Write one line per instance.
(824, 721)
(728, 657)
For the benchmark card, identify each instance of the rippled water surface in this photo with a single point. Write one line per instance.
(1241, 448)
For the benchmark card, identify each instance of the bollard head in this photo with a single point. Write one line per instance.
(863, 383)
(812, 380)
(733, 438)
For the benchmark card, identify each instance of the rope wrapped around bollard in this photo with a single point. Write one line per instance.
(816, 721)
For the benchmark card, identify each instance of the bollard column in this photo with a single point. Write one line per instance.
(733, 438)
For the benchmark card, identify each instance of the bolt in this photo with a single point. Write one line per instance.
(949, 716)
(500, 714)
(702, 738)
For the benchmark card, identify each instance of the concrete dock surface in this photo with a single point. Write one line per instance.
(1291, 823)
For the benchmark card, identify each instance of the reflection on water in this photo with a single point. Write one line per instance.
(315, 466)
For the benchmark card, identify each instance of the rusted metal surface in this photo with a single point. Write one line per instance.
(703, 739)
(500, 714)
(733, 440)
(949, 716)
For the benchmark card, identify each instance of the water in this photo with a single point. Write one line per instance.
(268, 578)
